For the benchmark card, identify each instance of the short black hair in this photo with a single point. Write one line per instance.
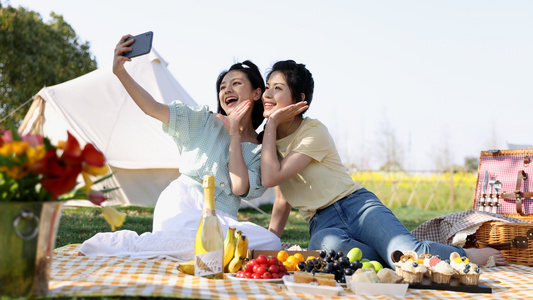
(298, 77)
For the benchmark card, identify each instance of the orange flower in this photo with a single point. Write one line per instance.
(32, 169)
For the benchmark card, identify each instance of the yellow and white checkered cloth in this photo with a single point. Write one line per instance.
(73, 275)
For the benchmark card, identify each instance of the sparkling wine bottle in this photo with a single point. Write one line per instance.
(209, 243)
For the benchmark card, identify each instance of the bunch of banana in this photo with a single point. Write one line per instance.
(187, 267)
(229, 247)
(241, 250)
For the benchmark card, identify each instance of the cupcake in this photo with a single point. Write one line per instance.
(469, 275)
(458, 263)
(441, 272)
(413, 272)
(407, 256)
(425, 259)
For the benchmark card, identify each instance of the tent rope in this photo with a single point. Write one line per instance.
(254, 206)
(16, 109)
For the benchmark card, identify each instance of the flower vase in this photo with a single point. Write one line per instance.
(28, 233)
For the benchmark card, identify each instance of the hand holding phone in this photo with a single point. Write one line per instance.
(141, 46)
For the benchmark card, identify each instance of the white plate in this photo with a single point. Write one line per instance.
(275, 280)
(367, 288)
(311, 288)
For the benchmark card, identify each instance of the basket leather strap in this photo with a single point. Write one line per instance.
(519, 242)
(522, 175)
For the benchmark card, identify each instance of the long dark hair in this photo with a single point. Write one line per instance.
(298, 77)
(254, 76)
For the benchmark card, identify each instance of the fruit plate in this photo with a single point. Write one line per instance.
(311, 288)
(274, 280)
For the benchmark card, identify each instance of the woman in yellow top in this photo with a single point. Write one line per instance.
(300, 156)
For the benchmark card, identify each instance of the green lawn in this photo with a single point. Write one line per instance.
(79, 224)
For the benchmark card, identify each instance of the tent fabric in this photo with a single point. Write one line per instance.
(96, 108)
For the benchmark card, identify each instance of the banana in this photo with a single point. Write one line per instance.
(187, 267)
(241, 250)
(235, 264)
(229, 246)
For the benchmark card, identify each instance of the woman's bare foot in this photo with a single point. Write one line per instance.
(480, 256)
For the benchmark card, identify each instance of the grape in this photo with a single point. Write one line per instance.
(332, 262)
(344, 261)
(348, 271)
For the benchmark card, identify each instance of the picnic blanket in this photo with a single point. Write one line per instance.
(452, 229)
(73, 275)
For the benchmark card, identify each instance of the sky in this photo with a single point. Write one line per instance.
(445, 78)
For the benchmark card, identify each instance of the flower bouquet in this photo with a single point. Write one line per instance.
(34, 170)
(35, 176)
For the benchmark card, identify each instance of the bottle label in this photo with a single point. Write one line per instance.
(208, 263)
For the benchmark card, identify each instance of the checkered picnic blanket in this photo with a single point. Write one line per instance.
(452, 229)
(73, 275)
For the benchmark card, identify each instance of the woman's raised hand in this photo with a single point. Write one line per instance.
(287, 114)
(118, 59)
(232, 122)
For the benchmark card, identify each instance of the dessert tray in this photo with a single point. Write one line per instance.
(454, 285)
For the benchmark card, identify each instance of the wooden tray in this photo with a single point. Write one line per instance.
(454, 285)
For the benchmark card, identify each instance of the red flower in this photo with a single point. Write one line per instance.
(97, 197)
(59, 177)
(71, 150)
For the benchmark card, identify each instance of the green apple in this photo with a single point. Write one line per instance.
(364, 259)
(377, 265)
(355, 254)
(368, 264)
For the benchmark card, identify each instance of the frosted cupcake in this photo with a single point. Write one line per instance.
(413, 272)
(458, 263)
(408, 256)
(425, 260)
(469, 275)
(441, 272)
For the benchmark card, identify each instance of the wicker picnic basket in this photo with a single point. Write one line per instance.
(514, 240)
(504, 187)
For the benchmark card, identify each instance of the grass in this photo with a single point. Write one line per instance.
(79, 224)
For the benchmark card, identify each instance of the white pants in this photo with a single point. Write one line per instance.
(176, 217)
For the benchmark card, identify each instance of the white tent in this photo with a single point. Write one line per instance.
(96, 108)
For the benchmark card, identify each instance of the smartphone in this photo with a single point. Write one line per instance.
(141, 46)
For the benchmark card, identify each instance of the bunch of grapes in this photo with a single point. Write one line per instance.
(332, 262)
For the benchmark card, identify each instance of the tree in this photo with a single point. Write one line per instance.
(34, 54)
(390, 148)
(471, 163)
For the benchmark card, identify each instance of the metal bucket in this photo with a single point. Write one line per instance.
(28, 233)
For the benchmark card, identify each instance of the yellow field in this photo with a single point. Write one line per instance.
(432, 191)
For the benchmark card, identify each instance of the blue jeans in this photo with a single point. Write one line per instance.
(361, 220)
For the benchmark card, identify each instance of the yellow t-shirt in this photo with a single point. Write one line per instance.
(322, 182)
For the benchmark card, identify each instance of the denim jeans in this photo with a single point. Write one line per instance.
(361, 220)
